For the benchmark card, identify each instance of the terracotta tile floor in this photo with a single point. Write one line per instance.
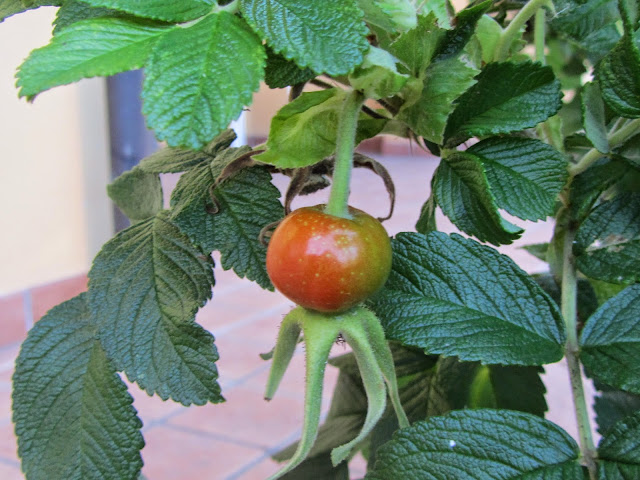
(234, 440)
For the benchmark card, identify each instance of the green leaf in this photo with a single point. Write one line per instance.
(280, 72)
(74, 419)
(416, 47)
(137, 193)
(246, 203)
(89, 48)
(443, 83)
(378, 76)
(612, 405)
(479, 444)
(453, 296)
(507, 97)
(439, 8)
(538, 250)
(328, 36)
(488, 33)
(198, 79)
(525, 175)
(146, 285)
(12, 7)
(174, 159)
(607, 244)
(181, 11)
(619, 77)
(462, 190)
(304, 131)
(610, 341)
(593, 117)
(390, 15)
(429, 387)
(427, 221)
(578, 19)
(619, 450)
(455, 40)
(587, 187)
(509, 384)
(73, 11)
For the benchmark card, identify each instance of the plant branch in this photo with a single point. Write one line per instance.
(539, 34)
(569, 313)
(322, 84)
(232, 7)
(338, 199)
(513, 30)
(616, 138)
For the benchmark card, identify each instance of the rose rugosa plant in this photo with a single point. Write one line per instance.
(533, 108)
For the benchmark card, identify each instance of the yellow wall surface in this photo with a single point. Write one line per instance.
(54, 210)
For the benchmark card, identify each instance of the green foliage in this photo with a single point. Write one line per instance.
(378, 76)
(73, 11)
(228, 217)
(469, 330)
(390, 15)
(193, 87)
(304, 131)
(525, 175)
(73, 415)
(443, 287)
(610, 341)
(174, 159)
(593, 115)
(442, 83)
(280, 72)
(612, 405)
(619, 72)
(462, 190)
(608, 242)
(12, 7)
(150, 275)
(101, 46)
(455, 40)
(619, 450)
(159, 9)
(328, 37)
(137, 193)
(474, 444)
(506, 98)
(522, 176)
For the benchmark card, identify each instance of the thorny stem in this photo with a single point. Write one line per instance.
(615, 139)
(513, 30)
(338, 199)
(569, 313)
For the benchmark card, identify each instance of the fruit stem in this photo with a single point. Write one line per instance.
(569, 313)
(347, 124)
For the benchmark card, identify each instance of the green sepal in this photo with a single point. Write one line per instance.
(288, 336)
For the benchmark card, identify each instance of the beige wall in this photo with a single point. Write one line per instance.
(54, 210)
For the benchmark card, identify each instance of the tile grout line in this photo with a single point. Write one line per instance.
(216, 436)
(248, 466)
(10, 462)
(248, 320)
